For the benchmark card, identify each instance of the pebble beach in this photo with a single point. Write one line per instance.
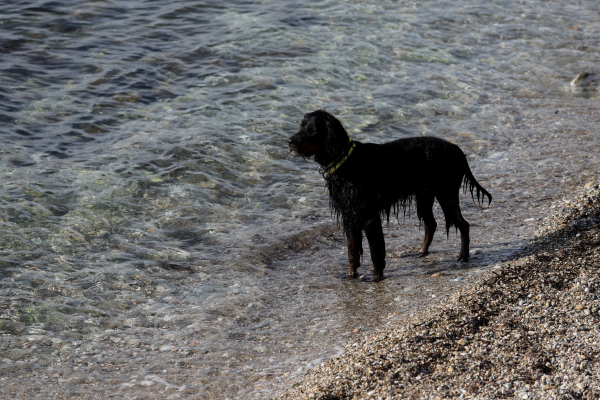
(529, 328)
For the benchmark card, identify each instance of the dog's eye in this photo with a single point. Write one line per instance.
(310, 127)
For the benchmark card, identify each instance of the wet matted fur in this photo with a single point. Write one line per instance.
(368, 181)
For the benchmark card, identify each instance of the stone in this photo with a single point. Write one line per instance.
(546, 380)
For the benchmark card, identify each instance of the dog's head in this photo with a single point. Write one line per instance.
(321, 135)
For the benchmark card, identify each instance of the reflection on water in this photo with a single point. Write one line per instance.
(158, 239)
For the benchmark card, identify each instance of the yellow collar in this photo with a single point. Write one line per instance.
(333, 166)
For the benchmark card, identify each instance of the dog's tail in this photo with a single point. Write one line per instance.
(472, 184)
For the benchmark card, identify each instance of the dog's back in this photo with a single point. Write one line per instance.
(410, 166)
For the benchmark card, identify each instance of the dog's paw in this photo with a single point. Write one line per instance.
(378, 277)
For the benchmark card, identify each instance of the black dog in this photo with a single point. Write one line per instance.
(367, 181)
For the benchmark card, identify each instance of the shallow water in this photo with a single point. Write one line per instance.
(158, 239)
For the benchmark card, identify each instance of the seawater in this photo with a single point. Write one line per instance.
(157, 239)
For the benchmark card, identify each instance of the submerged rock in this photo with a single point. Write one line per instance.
(11, 327)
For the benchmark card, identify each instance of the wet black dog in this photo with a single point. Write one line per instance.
(367, 181)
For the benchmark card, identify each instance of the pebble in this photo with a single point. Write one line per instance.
(542, 341)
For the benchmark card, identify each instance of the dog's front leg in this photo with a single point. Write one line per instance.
(355, 250)
(374, 233)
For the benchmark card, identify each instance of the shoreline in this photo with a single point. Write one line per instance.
(529, 328)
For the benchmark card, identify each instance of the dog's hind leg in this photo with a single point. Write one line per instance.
(374, 233)
(425, 212)
(355, 250)
(451, 207)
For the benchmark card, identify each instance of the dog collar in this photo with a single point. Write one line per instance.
(333, 166)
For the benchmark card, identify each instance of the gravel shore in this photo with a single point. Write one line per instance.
(528, 329)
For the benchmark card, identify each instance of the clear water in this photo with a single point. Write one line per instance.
(158, 240)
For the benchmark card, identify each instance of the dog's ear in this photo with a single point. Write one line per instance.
(337, 137)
